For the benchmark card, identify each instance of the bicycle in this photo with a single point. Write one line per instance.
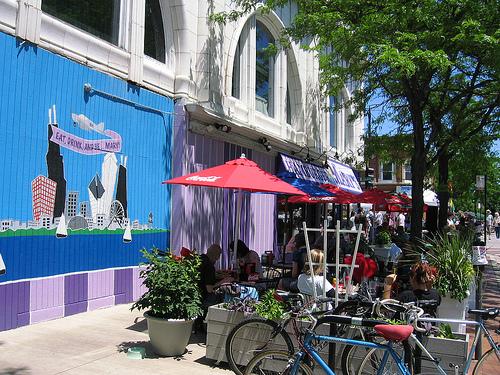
(256, 334)
(280, 362)
(484, 365)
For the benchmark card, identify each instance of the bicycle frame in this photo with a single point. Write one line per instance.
(309, 349)
(479, 331)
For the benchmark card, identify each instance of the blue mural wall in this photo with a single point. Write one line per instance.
(81, 172)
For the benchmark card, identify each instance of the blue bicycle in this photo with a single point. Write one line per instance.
(280, 362)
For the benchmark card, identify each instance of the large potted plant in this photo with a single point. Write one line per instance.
(451, 255)
(172, 301)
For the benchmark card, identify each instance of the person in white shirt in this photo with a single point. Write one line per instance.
(401, 222)
(308, 280)
(489, 223)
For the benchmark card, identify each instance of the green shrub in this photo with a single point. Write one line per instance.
(172, 283)
(270, 308)
(383, 238)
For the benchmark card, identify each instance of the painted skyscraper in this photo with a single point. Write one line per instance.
(55, 168)
(96, 191)
(121, 187)
(109, 172)
(43, 192)
(72, 204)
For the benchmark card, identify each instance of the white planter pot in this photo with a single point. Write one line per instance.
(453, 309)
(169, 337)
(451, 353)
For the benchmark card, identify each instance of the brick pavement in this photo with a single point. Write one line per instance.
(491, 292)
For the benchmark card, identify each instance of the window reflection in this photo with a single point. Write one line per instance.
(97, 17)
(264, 66)
(154, 36)
(235, 88)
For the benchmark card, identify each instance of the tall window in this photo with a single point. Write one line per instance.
(264, 67)
(235, 90)
(154, 36)
(97, 17)
(333, 122)
(288, 106)
(387, 171)
(407, 171)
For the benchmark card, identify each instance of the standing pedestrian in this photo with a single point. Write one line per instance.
(401, 220)
(489, 223)
(496, 223)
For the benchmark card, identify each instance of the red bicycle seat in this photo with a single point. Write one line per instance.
(394, 332)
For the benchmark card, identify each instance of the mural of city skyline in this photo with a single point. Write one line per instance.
(104, 206)
(79, 169)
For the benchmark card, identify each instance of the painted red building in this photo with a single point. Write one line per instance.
(44, 195)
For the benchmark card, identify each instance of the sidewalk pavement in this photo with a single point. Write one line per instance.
(95, 343)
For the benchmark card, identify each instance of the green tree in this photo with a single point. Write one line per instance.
(427, 59)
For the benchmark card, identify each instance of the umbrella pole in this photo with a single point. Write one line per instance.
(239, 199)
(283, 254)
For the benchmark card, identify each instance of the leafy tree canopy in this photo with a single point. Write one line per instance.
(434, 62)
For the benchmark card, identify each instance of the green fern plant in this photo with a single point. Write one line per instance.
(451, 255)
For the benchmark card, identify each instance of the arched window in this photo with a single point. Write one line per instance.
(264, 70)
(154, 35)
(264, 78)
(235, 88)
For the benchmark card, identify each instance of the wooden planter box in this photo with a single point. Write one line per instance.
(221, 321)
(449, 351)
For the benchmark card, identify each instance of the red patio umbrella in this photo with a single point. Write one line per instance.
(342, 196)
(373, 196)
(311, 199)
(240, 174)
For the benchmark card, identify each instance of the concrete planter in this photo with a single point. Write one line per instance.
(382, 252)
(451, 352)
(453, 309)
(169, 337)
(221, 321)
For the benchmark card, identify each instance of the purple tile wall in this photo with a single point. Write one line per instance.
(123, 285)
(14, 305)
(37, 300)
(101, 289)
(75, 294)
(46, 299)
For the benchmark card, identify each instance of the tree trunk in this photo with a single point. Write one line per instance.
(417, 192)
(418, 171)
(443, 193)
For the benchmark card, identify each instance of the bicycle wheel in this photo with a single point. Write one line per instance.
(488, 363)
(371, 363)
(352, 356)
(275, 362)
(252, 336)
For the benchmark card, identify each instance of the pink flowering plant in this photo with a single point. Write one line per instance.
(172, 283)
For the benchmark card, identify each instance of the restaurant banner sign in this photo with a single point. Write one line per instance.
(343, 176)
(337, 174)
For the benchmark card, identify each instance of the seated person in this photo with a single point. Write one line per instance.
(298, 257)
(422, 276)
(207, 282)
(308, 279)
(245, 257)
